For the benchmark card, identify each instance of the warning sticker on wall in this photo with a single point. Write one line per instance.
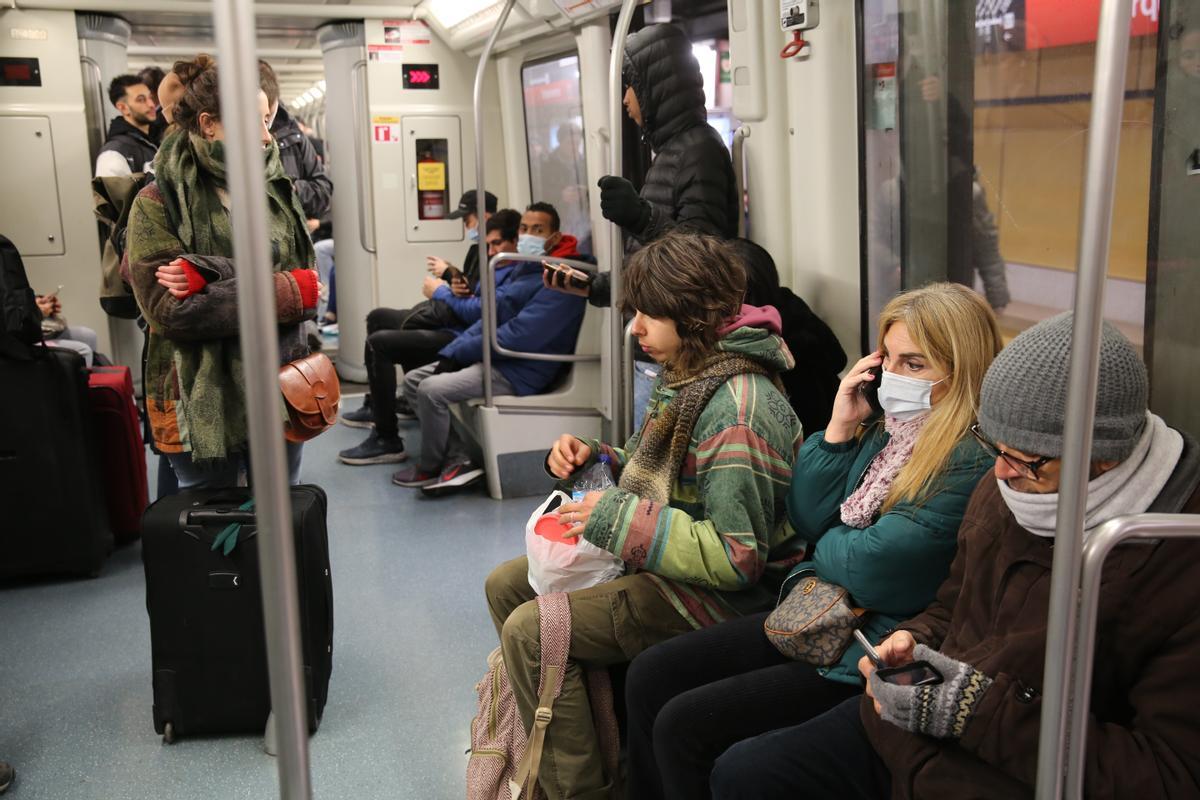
(406, 31)
(386, 132)
(431, 176)
(386, 53)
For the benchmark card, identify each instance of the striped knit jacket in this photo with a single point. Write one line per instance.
(727, 520)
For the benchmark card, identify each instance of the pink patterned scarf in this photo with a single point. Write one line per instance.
(859, 509)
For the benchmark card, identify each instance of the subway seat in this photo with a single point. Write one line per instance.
(511, 438)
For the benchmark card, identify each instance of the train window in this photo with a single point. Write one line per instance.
(713, 57)
(554, 136)
(975, 125)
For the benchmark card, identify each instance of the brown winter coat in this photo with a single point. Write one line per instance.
(1143, 731)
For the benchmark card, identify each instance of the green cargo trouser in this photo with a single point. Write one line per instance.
(610, 624)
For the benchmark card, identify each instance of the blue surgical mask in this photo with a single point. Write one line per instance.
(473, 234)
(905, 398)
(530, 245)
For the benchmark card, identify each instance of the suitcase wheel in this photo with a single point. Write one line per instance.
(168, 734)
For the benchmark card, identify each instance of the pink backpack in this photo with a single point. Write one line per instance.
(504, 759)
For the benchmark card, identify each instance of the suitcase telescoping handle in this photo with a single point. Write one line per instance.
(219, 516)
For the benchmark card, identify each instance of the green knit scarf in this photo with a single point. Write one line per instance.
(654, 465)
(189, 170)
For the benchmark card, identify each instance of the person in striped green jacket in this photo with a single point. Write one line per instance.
(699, 510)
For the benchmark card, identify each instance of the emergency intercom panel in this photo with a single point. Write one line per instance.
(432, 177)
(799, 15)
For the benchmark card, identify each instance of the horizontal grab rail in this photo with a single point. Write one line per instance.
(492, 339)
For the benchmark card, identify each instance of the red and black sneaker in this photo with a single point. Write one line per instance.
(455, 477)
(414, 476)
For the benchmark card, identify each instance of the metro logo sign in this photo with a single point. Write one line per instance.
(1055, 23)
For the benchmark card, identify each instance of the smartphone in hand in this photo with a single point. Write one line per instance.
(914, 673)
(870, 390)
(564, 276)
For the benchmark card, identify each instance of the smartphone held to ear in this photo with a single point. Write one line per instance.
(915, 673)
(870, 390)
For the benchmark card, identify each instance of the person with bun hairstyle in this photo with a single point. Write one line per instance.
(182, 271)
(878, 496)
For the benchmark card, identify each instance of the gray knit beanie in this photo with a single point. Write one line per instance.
(1024, 398)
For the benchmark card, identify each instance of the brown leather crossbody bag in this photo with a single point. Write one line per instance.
(311, 392)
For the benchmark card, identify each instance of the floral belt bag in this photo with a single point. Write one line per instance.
(814, 623)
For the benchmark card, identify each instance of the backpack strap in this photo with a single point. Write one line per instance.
(604, 718)
(554, 620)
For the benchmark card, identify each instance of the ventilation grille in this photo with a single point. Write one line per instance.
(340, 34)
(103, 27)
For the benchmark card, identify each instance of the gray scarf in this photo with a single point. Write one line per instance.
(1128, 488)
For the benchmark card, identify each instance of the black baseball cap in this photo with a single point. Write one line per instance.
(468, 205)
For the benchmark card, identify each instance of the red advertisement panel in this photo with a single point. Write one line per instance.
(1054, 23)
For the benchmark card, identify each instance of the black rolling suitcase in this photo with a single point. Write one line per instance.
(55, 518)
(207, 635)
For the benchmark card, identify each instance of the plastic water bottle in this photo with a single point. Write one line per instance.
(595, 478)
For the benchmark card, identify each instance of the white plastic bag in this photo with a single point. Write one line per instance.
(559, 564)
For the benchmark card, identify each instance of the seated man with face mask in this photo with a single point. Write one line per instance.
(529, 318)
(976, 732)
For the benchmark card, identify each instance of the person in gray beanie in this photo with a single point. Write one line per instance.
(971, 728)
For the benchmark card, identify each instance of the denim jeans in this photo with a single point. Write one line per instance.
(228, 472)
(324, 250)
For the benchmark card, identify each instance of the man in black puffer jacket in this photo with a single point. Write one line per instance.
(690, 182)
(299, 158)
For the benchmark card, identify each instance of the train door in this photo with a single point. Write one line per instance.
(974, 132)
(1173, 255)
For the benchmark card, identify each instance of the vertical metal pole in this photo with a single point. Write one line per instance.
(739, 174)
(238, 74)
(619, 404)
(487, 287)
(1108, 94)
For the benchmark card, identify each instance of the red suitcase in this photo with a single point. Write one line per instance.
(122, 454)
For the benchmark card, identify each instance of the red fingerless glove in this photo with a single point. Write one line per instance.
(195, 280)
(306, 281)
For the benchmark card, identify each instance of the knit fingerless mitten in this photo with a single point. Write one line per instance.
(941, 710)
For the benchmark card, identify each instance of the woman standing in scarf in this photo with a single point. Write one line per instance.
(183, 275)
(699, 506)
(880, 499)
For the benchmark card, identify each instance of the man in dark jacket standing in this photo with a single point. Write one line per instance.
(976, 732)
(690, 182)
(128, 148)
(300, 160)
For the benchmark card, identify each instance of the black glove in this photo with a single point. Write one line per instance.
(620, 204)
(447, 365)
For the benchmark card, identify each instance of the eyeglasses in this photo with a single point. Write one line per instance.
(1027, 468)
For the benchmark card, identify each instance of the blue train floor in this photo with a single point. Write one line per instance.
(411, 636)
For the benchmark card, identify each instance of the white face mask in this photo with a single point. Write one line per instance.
(905, 398)
(530, 245)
